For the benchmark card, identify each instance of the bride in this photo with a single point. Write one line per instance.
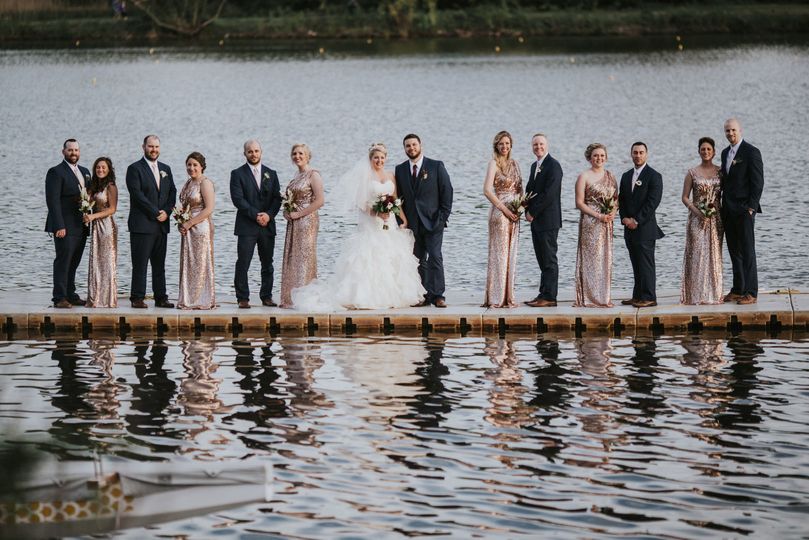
(376, 268)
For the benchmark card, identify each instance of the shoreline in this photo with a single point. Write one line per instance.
(521, 27)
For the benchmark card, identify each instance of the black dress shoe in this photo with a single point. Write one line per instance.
(163, 304)
(62, 304)
(139, 304)
(423, 303)
(77, 302)
(630, 302)
(268, 302)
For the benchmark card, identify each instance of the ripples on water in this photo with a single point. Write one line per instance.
(214, 101)
(471, 437)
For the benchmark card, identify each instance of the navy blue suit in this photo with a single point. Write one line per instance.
(641, 204)
(427, 203)
(62, 194)
(742, 187)
(250, 201)
(545, 207)
(148, 236)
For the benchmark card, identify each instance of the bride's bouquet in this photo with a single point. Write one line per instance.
(519, 204)
(181, 214)
(707, 207)
(384, 204)
(86, 204)
(288, 201)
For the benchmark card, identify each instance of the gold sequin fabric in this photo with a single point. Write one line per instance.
(102, 271)
(299, 266)
(197, 287)
(503, 241)
(702, 261)
(594, 250)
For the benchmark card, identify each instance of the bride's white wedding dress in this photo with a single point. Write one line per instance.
(376, 268)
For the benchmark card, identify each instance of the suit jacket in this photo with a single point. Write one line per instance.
(250, 201)
(427, 203)
(62, 195)
(641, 204)
(545, 206)
(743, 184)
(146, 200)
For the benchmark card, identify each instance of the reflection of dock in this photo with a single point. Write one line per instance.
(26, 314)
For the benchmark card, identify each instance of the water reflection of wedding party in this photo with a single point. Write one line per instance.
(393, 257)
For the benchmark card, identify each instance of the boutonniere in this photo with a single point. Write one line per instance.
(163, 174)
(638, 183)
(735, 161)
(86, 176)
(539, 170)
(423, 174)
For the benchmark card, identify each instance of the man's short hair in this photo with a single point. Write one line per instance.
(411, 136)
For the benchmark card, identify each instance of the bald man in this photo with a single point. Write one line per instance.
(742, 184)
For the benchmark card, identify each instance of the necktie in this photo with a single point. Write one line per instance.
(731, 155)
(257, 177)
(414, 178)
(156, 173)
(79, 177)
(538, 170)
(635, 179)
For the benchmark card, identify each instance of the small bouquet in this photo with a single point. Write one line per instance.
(385, 204)
(519, 204)
(707, 207)
(288, 201)
(181, 214)
(607, 204)
(86, 204)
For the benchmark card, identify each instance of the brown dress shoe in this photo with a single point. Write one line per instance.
(747, 299)
(140, 304)
(645, 303)
(244, 304)
(440, 302)
(268, 302)
(423, 303)
(731, 297)
(545, 303)
(532, 301)
(63, 304)
(630, 302)
(164, 304)
(78, 302)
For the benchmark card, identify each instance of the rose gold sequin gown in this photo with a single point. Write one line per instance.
(594, 251)
(102, 271)
(503, 240)
(196, 254)
(300, 246)
(702, 262)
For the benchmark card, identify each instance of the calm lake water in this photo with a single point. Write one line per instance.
(391, 437)
(339, 103)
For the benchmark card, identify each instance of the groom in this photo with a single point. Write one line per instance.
(424, 186)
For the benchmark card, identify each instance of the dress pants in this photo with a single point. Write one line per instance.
(545, 248)
(245, 246)
(427, 250)
(148, 249)
(69, 251)
(741, 241)
(642, 257)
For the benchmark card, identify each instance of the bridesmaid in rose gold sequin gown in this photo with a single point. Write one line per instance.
(702, 262)
(197, 287)
(300, 247)
(594, 250)
(102, 268)
(503, 184)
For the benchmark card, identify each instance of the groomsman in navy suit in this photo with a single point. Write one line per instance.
(544, 213)
(641, 191)
(152, 197)
(742, 176)
(256, 194)
(62, 188)
(426, 192)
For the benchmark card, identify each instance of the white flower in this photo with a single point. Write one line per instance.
(389, 205)
(266, 176)
(398, 202)
(163, 174)
(638, 183)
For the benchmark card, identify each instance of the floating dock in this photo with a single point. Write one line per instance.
(31, 315)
